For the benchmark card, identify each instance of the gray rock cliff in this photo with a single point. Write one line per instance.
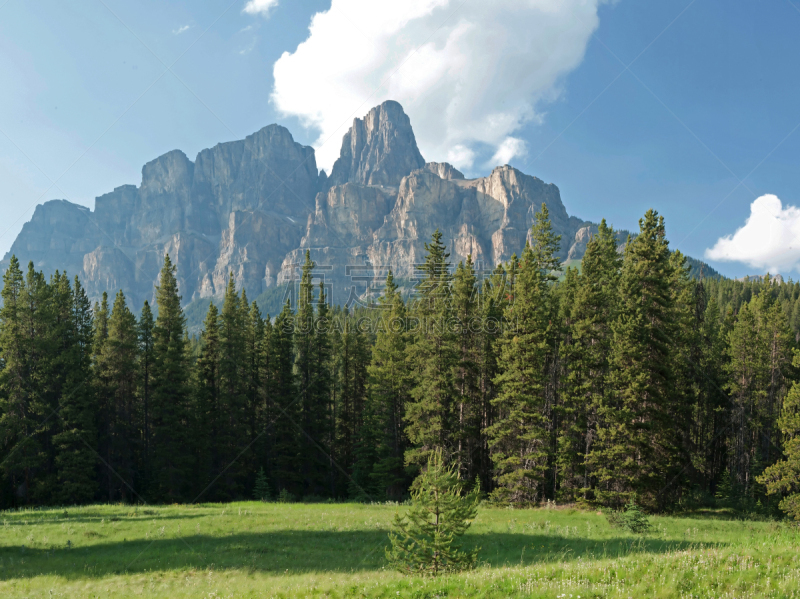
(253, 207)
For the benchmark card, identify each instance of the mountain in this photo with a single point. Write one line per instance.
(254, 206)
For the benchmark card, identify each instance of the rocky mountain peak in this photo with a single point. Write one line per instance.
(167, 173)
(444, 170)
(379, 149)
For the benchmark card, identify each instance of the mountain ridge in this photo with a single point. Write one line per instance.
(253, 207)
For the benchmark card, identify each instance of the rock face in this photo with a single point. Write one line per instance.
(379, 150)
(255, 206)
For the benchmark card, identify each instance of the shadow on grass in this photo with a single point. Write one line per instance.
(297, 551)
(95, 517)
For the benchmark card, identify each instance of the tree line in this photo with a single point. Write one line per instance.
(623, 378)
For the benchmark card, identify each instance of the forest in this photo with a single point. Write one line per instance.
(625, 378)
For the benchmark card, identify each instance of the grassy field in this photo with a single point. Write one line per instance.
(336, 550)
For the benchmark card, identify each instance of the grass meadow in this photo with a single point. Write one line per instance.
(254, 549)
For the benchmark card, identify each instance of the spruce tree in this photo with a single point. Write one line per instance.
(433, 357)
(635, 452)
(758, 355)
(75, 457)
(146, 325)
(521, 437)
(231, 429)
(389, 391)
(425, 540)
(783, 477)
(323, 423)
(467, 373)
(261, 486)
(285, 454)
(207, 406)
(518, 439)
(117, 367)
(13, 376)
(171, 452)
(254, 352)
(589, 308)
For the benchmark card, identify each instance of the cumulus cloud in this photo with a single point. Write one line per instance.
(259, 7)
(180, 30)
(509, 149)
(469, 74)
(769, 239)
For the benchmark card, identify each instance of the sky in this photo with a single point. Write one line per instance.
(686, 106)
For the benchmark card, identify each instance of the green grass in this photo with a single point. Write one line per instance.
(336, 550)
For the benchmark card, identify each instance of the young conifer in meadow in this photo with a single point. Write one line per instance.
(426, 540)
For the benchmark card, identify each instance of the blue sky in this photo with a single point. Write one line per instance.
(701, 123)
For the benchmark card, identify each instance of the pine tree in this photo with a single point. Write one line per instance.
(171, 452)
(545, 245)
(232, 399)
(783, 477)
(75, 457)
(389, 391)
(573, 409)
(117, 367)
(491, 325)
(146, 325)
(467, 373)
(757, 358)
(261, 486)
(13, 380)
(433, 357)
(313, 382)
(207, 398)
(518, 439)
(521, 438)
(31, 384)
(285, 456)
(634, 452)
(425, 540)
(323, 422)
(588, 313)
(254, 352)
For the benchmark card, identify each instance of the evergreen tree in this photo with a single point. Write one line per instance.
(207, 398)
(25, 417)
(254, 352)
(433, 357)
(783, 477)
(519, 439)
(117, 367)
(261, 486)
(758, 356)
(635, 451)
(231, 428)
(522, 437)
(545, 245)
(425, 541)
(146, 359)
(492, 307)
(323, 432)
(589, 309)
(311, 366)
(285, 456)
(171, 451)
(75, 457)
(466, 313)
(389, 391)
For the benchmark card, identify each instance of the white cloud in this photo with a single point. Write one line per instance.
(460, 156)
(508, 149)
(769, 239)
(180, 30)
(259, 7)
(467, 73)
